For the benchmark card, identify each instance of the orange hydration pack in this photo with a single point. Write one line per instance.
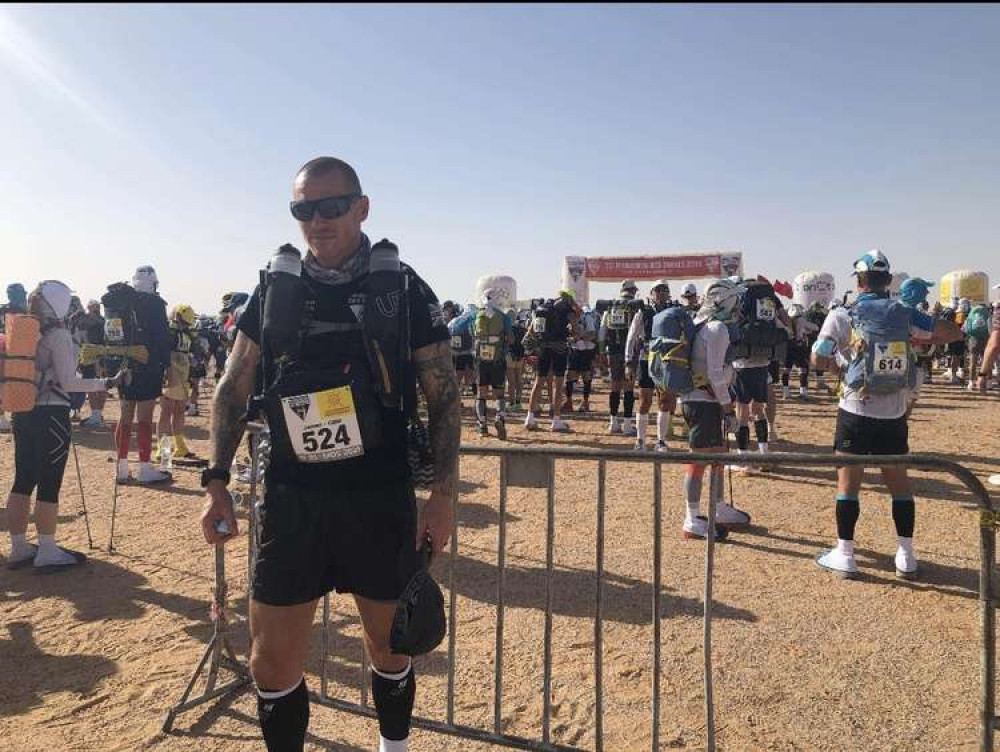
(18, 388)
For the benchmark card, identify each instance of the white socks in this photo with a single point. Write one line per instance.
(663, 425)
(906, 544)
(762, 447)
(388, 745)
(643, 424)
(20, 549)
(846, 547)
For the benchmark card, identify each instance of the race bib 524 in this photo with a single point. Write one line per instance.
(114, 331)
(323, 426)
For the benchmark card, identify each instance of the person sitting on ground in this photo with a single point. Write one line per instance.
(42, 436)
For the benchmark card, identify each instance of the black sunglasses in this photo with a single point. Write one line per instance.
(331, 207)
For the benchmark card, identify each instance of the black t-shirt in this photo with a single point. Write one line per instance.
(427, 327)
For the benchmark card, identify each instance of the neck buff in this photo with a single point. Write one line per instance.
(354, 267)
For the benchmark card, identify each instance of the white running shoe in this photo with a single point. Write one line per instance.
(149, 474)
(803, 392)
(949, 377)
(661, 446)
(994, 480)
(530, 422)
(697, 529)
(640, 446)
(906, 564)
(124, 476)
(92, 422)
(629, 429)
(961, 374)
(839, 563)
(614, 426)
(4, 424)
(559, 426)
(731, 516)
(786, 392)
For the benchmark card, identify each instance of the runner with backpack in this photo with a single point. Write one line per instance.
(548, 338)
(463, 346)
(977, 332)
(39, 374)
(802, 329)
(582, 350)
(493, 330)
(688, 356)
(612, 338)
(763, 337)
(869, 343)
(637, 361)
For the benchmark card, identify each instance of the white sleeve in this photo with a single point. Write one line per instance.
(717, 341)
(633, 342)
(602, 332)
(64, 365)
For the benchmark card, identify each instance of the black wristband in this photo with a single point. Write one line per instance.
(214, 473)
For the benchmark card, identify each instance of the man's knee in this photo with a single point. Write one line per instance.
(273, 665)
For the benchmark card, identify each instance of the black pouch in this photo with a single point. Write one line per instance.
(419, 624)
(293, 421)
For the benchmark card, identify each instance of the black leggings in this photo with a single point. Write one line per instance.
(41, 448)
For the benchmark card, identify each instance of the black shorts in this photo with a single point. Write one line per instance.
(858, 434)
(41, 447)
(977, 346)
(492, 373)
(463, 362)
(355, 538)
(957, 348)
(704, 420)
(797, 355)
(751, 385)
(552, 362)
(645, 382)
(581, 362)
(144, 386)
(89, 372)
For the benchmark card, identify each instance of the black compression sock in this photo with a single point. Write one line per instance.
(848, 511)
(586, 391)
(394, 694)
(284, 719)
(904, 514)
(569, 388)
(760, 427)
(785, 378)
(743, 438)
(614, 401)
(629, 403)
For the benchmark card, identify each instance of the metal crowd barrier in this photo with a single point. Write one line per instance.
(522, 467)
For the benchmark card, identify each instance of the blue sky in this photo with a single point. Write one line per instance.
(497, 139)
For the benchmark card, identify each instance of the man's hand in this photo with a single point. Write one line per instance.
(218, 509)
(436, 521)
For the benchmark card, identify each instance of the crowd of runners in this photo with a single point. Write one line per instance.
(717, 363)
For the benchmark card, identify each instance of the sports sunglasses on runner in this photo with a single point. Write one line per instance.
(330, 207)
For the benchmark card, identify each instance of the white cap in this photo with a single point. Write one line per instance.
(144, 279)
(689, 290)
(57, 295)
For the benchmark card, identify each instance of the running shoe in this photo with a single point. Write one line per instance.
(698, 529)
(839, 563)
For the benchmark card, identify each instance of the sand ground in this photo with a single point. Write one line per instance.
(91, 659)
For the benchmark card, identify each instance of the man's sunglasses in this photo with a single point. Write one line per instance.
(331, 207)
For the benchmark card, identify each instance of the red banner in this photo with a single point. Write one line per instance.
(685, 266)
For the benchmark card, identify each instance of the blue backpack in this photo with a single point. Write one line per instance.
(670, 350)
(883, 363)
(977, 325)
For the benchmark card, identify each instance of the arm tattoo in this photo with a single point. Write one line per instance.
(444, 423)
(229, 405)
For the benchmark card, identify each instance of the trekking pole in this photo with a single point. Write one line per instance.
(114, 492)
(83, 500)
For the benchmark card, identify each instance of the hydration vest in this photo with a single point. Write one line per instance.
(120, 324)
(671, 350)
(462, 341)
(491, 344)
(342, 391)
(883, 359)
(545, 324)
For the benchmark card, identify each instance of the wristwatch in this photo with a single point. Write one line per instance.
(214, 473)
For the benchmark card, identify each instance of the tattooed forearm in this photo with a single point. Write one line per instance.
(230, 402)
(444, 422)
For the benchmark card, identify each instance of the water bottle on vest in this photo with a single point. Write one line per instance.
(670, 350)
(883, 358)
(284, 305)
